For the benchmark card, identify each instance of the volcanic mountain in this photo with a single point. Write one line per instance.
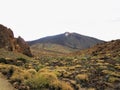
(66, 41)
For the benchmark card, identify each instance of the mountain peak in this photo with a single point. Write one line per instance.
(67, 34)
(71, 40)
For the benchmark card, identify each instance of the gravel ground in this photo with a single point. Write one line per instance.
(4, 84)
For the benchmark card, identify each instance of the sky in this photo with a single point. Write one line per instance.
(34, 19)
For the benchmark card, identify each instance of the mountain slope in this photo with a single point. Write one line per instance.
(73, 41)
(111, 48)
(97, 68)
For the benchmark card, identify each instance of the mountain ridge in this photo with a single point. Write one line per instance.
(71, 40)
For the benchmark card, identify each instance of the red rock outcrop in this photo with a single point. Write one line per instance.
(10, 43)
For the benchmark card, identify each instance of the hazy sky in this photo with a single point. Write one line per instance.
(33, 19)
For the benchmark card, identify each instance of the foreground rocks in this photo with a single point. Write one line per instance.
(10, 43)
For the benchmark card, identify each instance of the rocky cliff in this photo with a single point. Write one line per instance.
(10, 43)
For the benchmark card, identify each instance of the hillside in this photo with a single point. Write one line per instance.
(67, 41)
(111, 47)
(49, 49)
(97, 68)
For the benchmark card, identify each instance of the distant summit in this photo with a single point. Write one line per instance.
(10, 43)
(71, 40)
(67, 33)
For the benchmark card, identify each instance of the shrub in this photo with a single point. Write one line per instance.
(112, 73)
(113, 79)
(32, 71)
(7, 70)
(43, 80)
(20, 75)
(66, 86)
(82, 77)
(91, 89)
(47, 80)
(117, 67)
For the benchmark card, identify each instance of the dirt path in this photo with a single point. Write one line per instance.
(4, 84)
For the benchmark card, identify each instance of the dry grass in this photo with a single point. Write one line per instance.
(82, 77)
(112, 73)
(113, 79)
(91, 72)
(66, 86)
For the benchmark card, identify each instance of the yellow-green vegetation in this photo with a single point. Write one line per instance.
(97, 70)
(82, 77)
(43, 80)
(12, 55)
(51, 48)
(112, 73)
(117, 66)
(47, 80)
(113, 79)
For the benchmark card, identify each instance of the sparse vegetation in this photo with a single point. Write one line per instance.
(47, 80)
(87, 71)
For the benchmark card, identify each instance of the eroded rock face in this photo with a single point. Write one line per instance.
(22, 46)
(9, 42)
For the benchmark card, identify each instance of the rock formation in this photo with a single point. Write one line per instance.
(10, 43)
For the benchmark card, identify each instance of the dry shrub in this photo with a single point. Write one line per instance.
(112, 73)
(7, 70)
(44, 70)
(91, 89)
(32, 71)
(117, 67)
(43, 80)
(20, 75)
(82, 77)
(113, 79)
(47, 80)
(66, 86)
